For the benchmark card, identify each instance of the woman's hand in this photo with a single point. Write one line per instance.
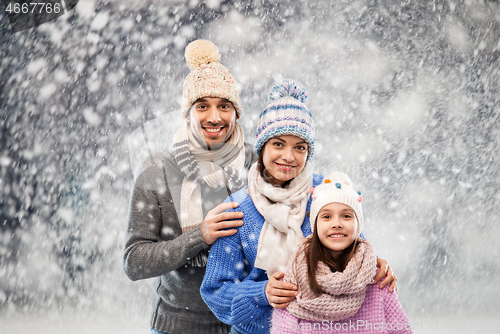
(385, 269)
(279, 294)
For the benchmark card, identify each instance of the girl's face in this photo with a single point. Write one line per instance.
(284, 157)
(337, 227)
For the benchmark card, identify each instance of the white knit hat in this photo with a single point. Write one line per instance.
(208, 77)
(336, 188)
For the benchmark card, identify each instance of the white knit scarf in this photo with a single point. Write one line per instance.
(284, 210)
(215, 168)
(344, 292)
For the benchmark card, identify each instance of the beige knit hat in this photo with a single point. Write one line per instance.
(336, 188)
(208, 77)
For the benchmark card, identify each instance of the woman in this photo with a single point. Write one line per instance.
(237, 285)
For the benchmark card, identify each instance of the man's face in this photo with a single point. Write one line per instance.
(212, 121)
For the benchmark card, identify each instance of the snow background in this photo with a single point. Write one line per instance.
(405, 96)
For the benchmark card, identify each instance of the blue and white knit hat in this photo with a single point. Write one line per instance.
(336, 188)
(286, 115)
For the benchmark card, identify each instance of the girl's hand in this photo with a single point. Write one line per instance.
(385, 269)
(279, 294)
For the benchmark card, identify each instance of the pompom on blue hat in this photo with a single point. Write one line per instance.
(287, 114)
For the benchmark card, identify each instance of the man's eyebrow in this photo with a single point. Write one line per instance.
(204, 100)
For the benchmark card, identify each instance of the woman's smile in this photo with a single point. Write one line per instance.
(285, 167)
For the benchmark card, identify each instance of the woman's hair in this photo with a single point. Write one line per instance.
(315, 251)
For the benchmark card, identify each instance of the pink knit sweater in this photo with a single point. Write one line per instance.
(380, 311)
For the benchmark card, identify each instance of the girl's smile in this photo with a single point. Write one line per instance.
(337, 236)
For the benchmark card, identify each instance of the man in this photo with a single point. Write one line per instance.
(167, 236)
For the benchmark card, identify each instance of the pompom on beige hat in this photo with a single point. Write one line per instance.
(208, 77)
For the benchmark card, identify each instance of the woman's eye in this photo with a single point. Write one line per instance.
(276, 143)
(301, 148)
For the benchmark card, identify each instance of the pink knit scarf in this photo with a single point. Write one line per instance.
(344, 292)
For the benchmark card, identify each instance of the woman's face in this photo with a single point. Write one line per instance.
(284, 157)
(337, 227)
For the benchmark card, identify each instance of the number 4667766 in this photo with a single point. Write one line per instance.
(26, 8)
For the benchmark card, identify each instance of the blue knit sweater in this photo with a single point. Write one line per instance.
(232, 287)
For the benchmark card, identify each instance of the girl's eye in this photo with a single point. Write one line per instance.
(277, 143)
(347, 216)
(301, 148)
(326, 217)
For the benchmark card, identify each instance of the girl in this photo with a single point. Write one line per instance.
(274, 210)
(334, 268)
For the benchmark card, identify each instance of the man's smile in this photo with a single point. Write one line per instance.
(213, 131)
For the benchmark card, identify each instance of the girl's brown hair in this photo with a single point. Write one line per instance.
(315, 251)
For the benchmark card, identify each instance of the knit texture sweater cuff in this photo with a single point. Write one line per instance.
(195, 238)
(258, 291)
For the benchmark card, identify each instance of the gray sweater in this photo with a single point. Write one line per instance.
(156, 247)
